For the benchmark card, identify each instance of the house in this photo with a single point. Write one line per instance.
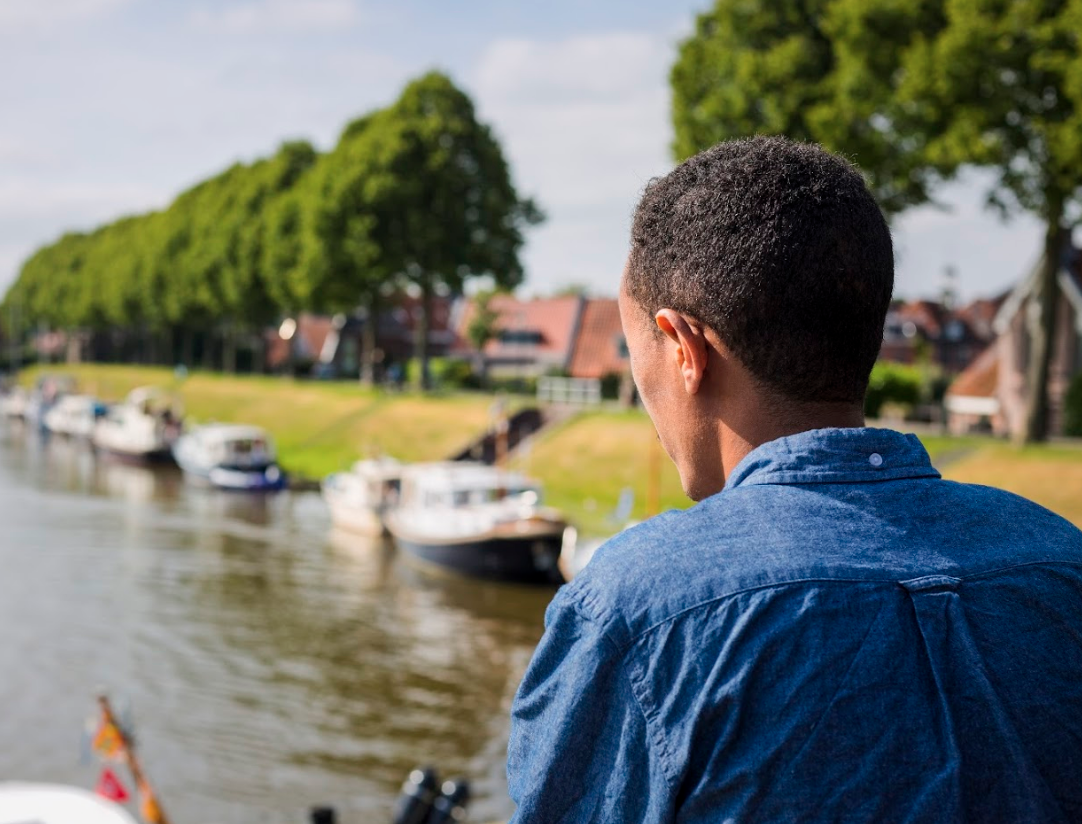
(533, 337)
(992, 393)
(569, 334)
(971, 402)
(334, 346)
(600, 346)
(939, 333)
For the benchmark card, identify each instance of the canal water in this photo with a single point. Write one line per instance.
(270, 663)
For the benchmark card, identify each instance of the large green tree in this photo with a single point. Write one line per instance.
(441, 195)
(912, 92)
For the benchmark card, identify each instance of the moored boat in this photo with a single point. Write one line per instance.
(14, 403)
(360, 498)
(74, 416)
(142, 429)
(478, 520)
(22, 803)
(230, 456)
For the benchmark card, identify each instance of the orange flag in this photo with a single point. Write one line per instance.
(109, 786)
(108, 742)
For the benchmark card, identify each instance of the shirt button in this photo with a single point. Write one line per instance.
(875, 459)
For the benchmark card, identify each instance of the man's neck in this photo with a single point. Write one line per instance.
(762, 425)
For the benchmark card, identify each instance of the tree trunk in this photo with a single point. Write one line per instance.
(187, 355)
(1042, 332)
(229, 348)
(369, 342)
(259, 353)
(208, 349)
(420, 336)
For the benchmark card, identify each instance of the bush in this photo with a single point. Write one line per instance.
(446, 373)
(1072, 408)
(895, 384)
(610, 385)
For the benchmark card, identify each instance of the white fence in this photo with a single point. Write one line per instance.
(569, 391)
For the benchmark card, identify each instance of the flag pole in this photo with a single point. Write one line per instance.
(142, 786)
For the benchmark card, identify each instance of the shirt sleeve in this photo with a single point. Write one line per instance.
(580, 748)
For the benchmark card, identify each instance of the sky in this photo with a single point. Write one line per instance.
(111, 107)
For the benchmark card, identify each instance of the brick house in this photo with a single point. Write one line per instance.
(571, 334)
(948, 337)
(992, 393)
(334, 346)
(534, 337)
(600, 346)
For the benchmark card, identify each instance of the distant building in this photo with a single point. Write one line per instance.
(335, 346)
(570, 334)
(534, 337)
(938, 333)
(992, 393)
(600, 346)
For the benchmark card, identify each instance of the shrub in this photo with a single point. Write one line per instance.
(895, 384)
(1072, 408)
(446, 373)
(610, 385)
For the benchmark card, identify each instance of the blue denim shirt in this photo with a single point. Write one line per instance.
(838, 635)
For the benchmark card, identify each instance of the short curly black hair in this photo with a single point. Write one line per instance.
(780, 248)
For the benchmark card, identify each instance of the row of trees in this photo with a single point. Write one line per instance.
(912, 92)
(415, 195)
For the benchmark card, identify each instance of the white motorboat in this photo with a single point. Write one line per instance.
(74, 416)
(360, 499)
(57, 804)
(141, 429)
(230, 456)
(14, 403)
(478, 520)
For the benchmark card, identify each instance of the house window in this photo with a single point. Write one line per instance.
(621, 346)
(521, 337)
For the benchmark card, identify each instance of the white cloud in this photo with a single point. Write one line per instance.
(585, 123)
(14, 13)
(989, 254)
(286, 15)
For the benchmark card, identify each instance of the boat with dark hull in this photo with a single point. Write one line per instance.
(231, 457)
(479, 521)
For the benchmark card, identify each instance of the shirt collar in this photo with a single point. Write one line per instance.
(834, 456)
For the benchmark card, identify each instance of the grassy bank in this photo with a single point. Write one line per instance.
(320, 427)
(584, 463)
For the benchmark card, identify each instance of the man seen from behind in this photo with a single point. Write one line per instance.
(833, 633)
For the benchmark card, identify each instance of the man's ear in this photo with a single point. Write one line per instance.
(691, 346)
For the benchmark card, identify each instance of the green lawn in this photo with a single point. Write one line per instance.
(320, 427)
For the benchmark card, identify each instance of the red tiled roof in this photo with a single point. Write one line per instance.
(980, 314)
(598, 348)
(554, 320)
(926, 314)
(978, 380)
(312, 331)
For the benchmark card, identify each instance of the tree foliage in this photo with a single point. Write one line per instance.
(912, 92)
(417, 195)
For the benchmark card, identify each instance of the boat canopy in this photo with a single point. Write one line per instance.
(462, 483)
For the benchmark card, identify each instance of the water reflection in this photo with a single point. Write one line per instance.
(275, 663)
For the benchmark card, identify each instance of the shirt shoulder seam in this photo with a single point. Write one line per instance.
(654, 728)
(638, 637)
